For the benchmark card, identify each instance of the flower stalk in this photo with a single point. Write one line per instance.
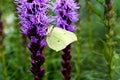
(66, 16)
(1, 29)
(109, 24)
(5, 74)
(34, 21)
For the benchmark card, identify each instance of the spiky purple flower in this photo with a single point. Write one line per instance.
(34, 21)
(33, 13)
(66, 16)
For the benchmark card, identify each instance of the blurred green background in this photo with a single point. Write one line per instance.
(89, 53)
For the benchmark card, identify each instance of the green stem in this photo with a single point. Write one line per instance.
(110, 41)
(5, 74)
(108, 18)
(78, 56)
(45, 65)
(78, 49)
(90, 31)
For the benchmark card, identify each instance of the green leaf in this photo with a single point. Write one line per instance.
(100, 1)
(95, 10)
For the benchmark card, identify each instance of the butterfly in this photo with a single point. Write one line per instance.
(58, 38)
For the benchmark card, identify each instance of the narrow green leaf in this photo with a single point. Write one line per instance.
(100, 1)
(94, 9)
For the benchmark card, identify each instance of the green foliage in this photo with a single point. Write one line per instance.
(89, 54)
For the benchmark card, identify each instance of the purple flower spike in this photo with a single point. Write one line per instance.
(32, 14)
(34, 21)
(66, 16)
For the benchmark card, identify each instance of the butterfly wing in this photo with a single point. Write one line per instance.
(55, 42)
(60, 38)
(67, 36)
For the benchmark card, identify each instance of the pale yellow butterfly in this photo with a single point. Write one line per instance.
(58, 39)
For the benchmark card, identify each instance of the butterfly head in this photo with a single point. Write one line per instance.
(49, 30)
